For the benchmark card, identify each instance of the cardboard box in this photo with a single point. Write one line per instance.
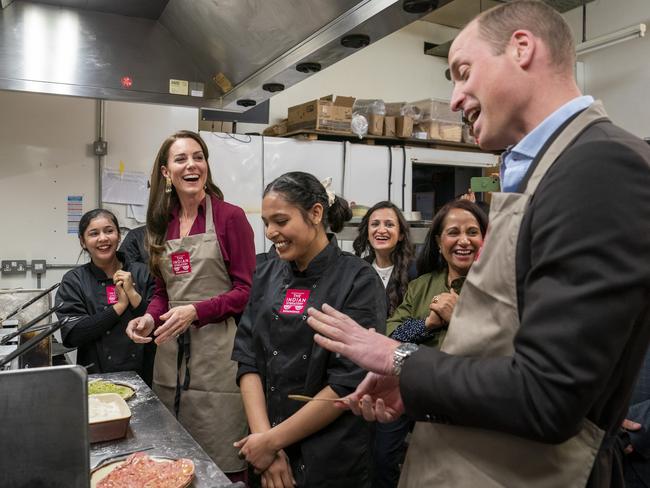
(278, 129)
(216, 126)
(394, 109)
(444, 131)
(322, 114)
(375, 124)
(403, 126)
(389, 126)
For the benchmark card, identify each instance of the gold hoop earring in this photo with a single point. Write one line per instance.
(168, 184)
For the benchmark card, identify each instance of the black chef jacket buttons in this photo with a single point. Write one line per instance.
(275, 353)
(304, 317)
(108, 332)
(304, 356)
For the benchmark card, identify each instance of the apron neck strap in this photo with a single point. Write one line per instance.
(594, 113)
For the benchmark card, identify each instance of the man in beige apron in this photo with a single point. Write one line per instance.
(485, 321)
(554, 317)
(194, 376)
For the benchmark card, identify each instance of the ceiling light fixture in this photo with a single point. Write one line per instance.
(633, 32)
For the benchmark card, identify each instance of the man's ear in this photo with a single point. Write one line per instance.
(523, 44)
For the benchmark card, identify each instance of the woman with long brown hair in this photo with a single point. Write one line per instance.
(202, 254)
(384, 241)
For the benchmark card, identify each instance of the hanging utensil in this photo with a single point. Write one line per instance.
(29, 302)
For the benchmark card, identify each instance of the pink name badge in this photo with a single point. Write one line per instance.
(181, 262)
(295, 301)
(111, 294)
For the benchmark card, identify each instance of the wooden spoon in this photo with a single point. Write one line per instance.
(305, 398)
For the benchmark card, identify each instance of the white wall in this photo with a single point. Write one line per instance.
(394, 69)
(619, 75)
(134, 132)
(46, 155)
(44, 158)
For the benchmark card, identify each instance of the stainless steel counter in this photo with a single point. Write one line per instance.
(153, 425)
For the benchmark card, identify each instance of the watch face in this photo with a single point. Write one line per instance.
(407, 348)
(402, 351)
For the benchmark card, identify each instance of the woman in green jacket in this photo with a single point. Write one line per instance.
(451, 246)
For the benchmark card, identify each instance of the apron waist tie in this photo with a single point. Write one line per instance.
(184, 351)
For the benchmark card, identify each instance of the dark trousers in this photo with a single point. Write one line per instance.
(388, 451)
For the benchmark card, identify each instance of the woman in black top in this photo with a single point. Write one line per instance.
(101, 297)
(315, 444)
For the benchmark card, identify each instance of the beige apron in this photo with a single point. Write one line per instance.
(209, 403)
(484, 323)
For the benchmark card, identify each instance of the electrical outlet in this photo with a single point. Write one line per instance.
(14, 266)
(38, 266)
(100, 148)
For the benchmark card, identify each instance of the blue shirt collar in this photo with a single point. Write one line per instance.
(525, 151)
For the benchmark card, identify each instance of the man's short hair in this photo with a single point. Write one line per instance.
(497, 24)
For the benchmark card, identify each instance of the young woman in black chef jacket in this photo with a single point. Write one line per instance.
(101, 297)
(314, 443)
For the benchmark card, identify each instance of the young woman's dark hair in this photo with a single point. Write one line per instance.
(401, 256)
(304, 191)
(161, 202)
(430, 259)
(89, 216)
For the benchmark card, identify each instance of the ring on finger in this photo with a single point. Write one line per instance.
(436, 298)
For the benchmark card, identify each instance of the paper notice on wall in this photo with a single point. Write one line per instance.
(75, 211)
(128, 188)
(137, 212)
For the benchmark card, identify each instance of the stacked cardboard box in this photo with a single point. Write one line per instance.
(326, 114)
(436, 119)
(430, 118)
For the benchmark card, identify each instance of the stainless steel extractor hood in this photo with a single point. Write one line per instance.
(223, 54)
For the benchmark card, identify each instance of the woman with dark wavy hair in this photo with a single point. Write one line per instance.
(450, 248)
(384, 237)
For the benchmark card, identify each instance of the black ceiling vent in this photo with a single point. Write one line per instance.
(355, 41)
(272, 87)
(308, 67)
(246, 102)
(419, 6)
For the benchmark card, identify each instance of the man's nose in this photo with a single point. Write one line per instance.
(457, 98)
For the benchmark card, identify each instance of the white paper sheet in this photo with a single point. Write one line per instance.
(128, 187)
(137, 212)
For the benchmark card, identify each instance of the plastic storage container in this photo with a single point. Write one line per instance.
(435, 118)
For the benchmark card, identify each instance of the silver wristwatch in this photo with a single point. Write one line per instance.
(400, 354)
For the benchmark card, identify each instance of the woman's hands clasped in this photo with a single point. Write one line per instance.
(441, 308)
(124, 281)
(176, 321)
(273, 465)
